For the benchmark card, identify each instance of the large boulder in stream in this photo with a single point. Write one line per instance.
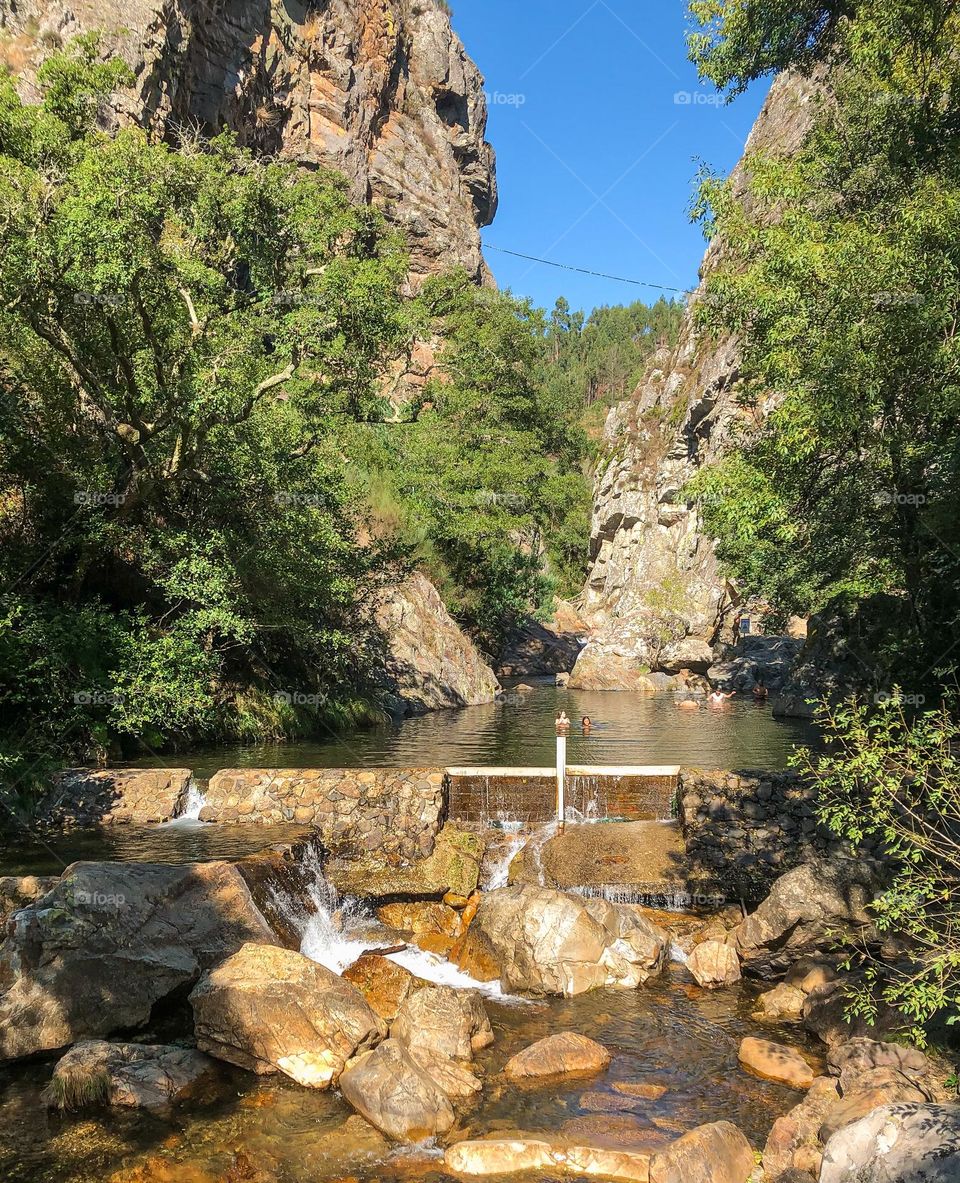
(547, 942)
(904, 1143)
(268, 1009)
(444, 1021)
(397, 1094)
(96, 952)
(805, 910)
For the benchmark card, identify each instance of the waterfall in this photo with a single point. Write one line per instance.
(498, 870)
(188, 807)
(335, 932)
(652, 895)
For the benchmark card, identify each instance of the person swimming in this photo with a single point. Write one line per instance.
(587, 724)
(760, 692)
(717, 698)
(688, 704)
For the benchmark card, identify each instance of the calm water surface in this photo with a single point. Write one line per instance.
(628, 729)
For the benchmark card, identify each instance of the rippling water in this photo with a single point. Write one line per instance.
(668, 1033)
(628, 729)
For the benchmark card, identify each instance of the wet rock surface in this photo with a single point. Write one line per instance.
(546, 942)
(565, 1054)
(396, 1094)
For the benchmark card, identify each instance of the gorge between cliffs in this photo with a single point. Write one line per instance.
(444, 737)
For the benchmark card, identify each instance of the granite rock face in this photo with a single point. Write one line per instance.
(379, 90)
(654, 579)
(431, 663)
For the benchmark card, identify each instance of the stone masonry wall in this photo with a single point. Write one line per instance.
(743, 829)
(396, 812)
(81, 797)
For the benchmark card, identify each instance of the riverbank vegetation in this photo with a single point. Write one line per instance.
(840, 276)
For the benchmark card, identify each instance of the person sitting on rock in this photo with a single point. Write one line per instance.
(717, 698)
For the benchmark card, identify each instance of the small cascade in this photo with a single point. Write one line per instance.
(193, 803)
(188, 813)
(335, 931)
(651, 895)
(498, 869)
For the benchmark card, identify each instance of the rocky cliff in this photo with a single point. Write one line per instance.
(381, 90)
(654, 595)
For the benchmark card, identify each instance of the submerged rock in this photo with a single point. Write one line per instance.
(896, 1144)
(449, 1022)
(714, 964)
(775, 1061)
(136, 1075)
(781, 1004)
(268, 1009)
(508, 1156)
(546, 942)
(805, 910)
(396, 1094)
(564, 1054)
(94, 954)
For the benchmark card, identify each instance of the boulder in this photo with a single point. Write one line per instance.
(394, 1093)
(564, 1054)
(781, 1004)
(793, 1143)
(508, 1156)
(903, 1143)
(430, 663)
(598, 669)
(853, 1060)
(869, 1093)
(384, 984)
(714, 964)
(806, 907)
(95, 953)
(714, 1153)
(775, 1061)
(269, 1009)
(449, 1022)
(809, 973)
(135, 1075)
(825, 1014)
(18, 891)
(546, 942)
(421, 916)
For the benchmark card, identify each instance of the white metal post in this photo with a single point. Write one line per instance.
(561, 774)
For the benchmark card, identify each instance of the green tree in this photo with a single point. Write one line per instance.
(840, 275)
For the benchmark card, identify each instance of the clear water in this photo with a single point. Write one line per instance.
(519, 730)
(668, 1033)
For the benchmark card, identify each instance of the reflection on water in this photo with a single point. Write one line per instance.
(627, 729)
(176, 842)
(668, 1033)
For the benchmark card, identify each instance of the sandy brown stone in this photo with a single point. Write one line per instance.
(564, 1054)
(384, 984)
(775, 1061)
(714, 964)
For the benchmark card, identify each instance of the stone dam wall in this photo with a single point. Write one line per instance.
(739, 830)
(743, 829)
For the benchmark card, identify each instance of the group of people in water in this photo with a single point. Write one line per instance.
(715, 700)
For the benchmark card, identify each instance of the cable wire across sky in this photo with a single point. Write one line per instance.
(640, 283)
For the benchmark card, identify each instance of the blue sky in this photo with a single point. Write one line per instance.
(599, 122)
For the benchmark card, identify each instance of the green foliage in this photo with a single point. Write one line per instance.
(841, 278)
(202, 482)
(893, 779)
